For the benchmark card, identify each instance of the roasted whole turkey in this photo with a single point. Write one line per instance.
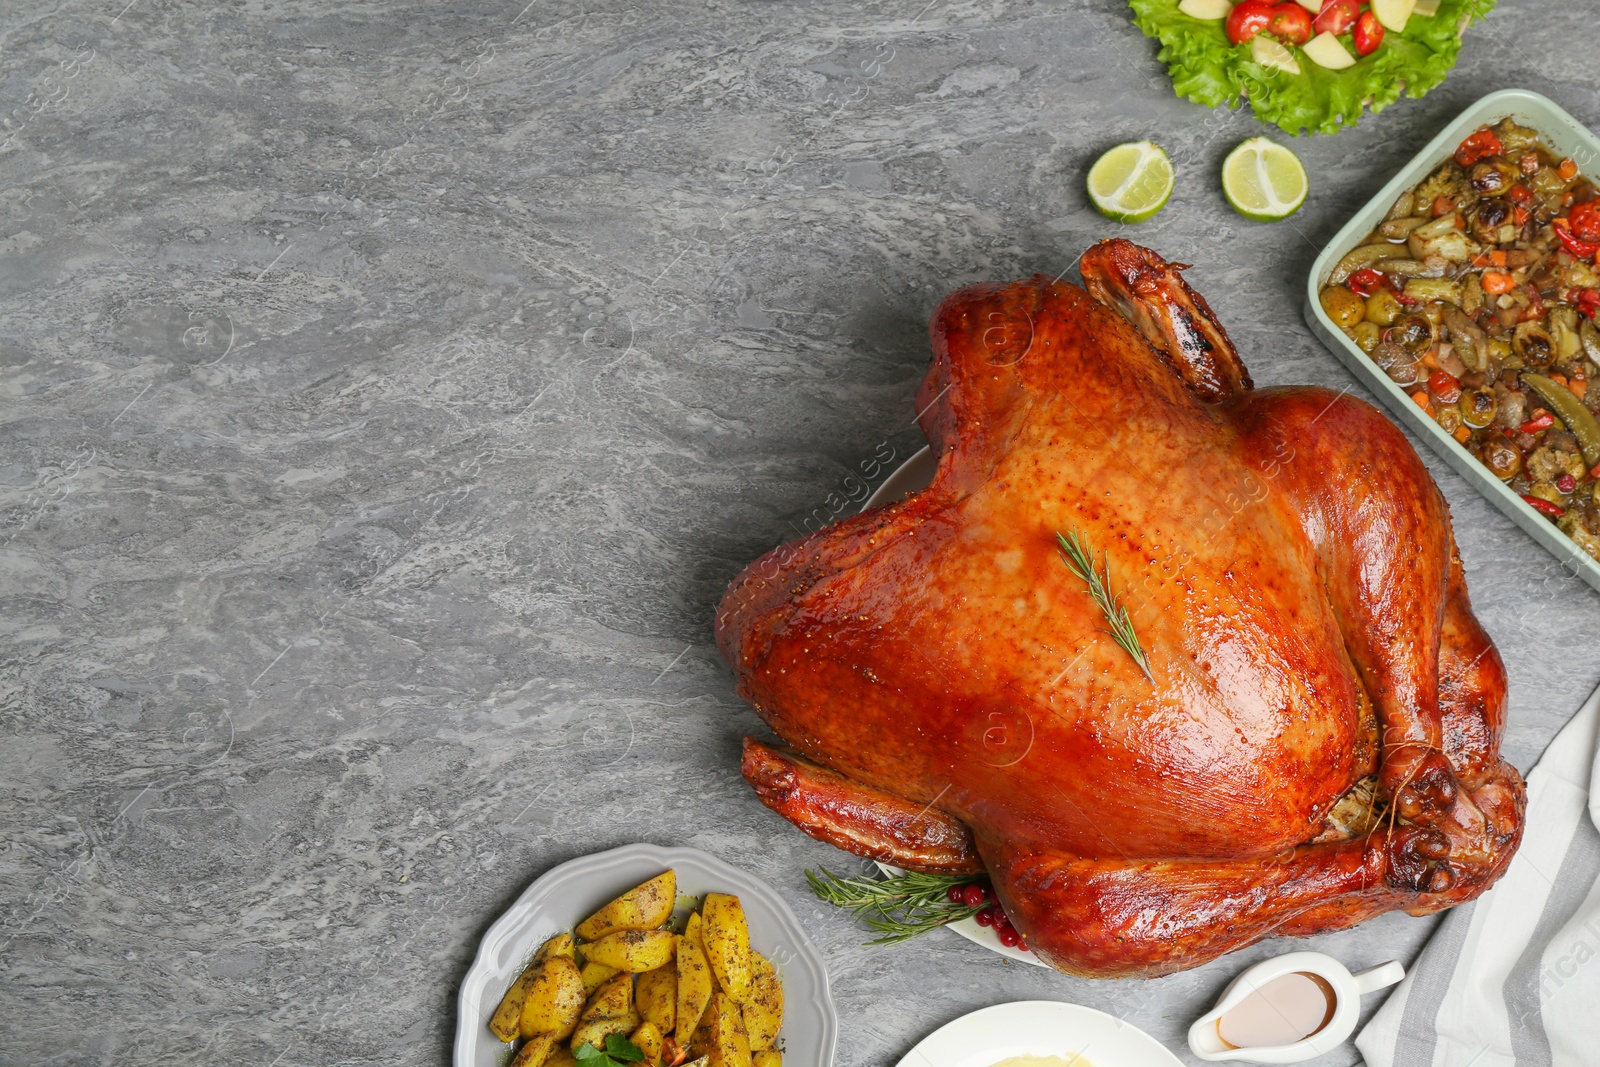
(1317, 738)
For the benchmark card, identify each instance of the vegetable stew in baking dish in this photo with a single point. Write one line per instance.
(1478, 295)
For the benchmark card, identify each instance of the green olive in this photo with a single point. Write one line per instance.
(1478, 407)
(1343, 307)
(1383, 308)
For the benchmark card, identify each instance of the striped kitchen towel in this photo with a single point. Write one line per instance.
(1513, 979)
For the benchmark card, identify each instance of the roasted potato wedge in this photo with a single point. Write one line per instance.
(703, 993)
(561, 945)
(694, 930)
(594, 975)
(504, 1022)
(721, 1036)
(647, 1035)
(643, 907)
(554, 1001)
(655, 995)
(727, 941)
(763, 1012)
(632, 950)
(609, 1011)
(695, 986)
(535, 1052)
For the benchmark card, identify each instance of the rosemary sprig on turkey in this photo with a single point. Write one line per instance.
(1079, 558)
(900, 907)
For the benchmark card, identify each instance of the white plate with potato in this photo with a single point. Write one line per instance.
(568, 895)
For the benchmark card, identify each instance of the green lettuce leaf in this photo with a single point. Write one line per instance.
(1207, 69)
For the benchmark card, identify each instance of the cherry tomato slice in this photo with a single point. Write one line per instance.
(1248, 19)
(1368, 34)
(1337, 16)
(1290, 23)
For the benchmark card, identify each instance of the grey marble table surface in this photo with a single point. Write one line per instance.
(390, 390)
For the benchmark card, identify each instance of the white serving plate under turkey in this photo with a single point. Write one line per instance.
(1077, 1035)
(562, 897)
(1566, 136)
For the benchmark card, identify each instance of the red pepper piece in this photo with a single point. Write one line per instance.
(1542, 421)
(1366, 281)
(1445, 387)
(1544, 507)
(1569, 241)
(1477, 146)
(1520, 194)
(1588, 301)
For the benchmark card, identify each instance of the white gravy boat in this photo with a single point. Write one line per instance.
(1206, 1042)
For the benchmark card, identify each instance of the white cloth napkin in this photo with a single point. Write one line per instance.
(1513, 979)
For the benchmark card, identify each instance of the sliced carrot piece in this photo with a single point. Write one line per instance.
(1497, 282)
(1420, 397)
(1462, 434)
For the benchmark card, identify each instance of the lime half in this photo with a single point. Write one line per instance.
(1264, 181)
(1131, 182)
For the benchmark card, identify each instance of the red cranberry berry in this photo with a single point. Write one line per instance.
(986, 916)
(972, 896)
(1009, 937)
(955, 894)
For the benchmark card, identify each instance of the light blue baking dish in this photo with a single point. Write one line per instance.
(1566, 136)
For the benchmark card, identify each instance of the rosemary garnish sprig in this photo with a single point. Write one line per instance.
(899, 907)
(1079, 559)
